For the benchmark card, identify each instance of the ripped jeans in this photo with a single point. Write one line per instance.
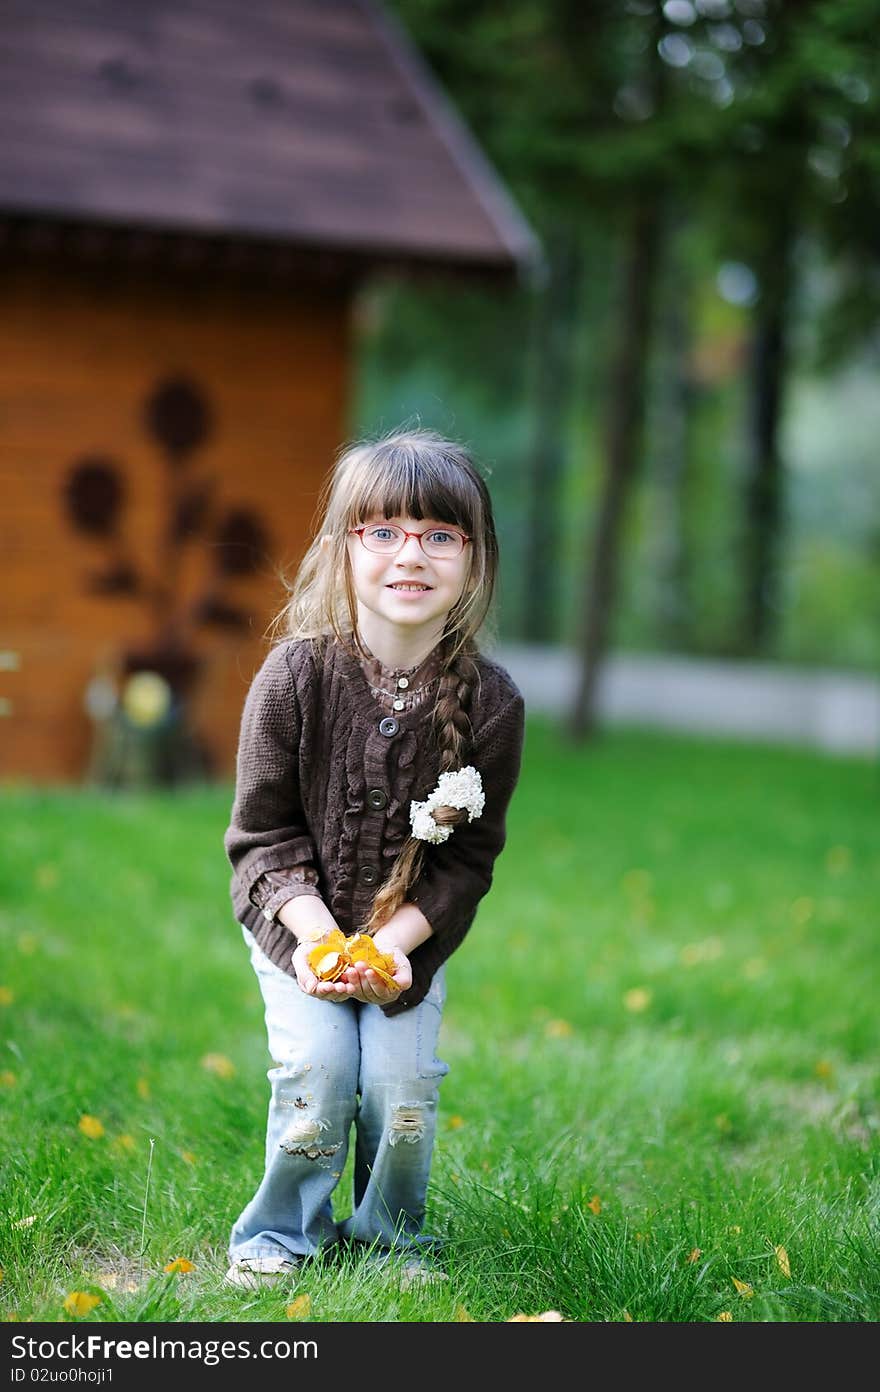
(334, 1065)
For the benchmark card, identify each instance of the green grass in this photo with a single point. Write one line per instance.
(666, 1012)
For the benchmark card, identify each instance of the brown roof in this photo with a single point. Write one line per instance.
(310, 122)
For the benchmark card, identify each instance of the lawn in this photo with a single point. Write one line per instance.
(662, 1032)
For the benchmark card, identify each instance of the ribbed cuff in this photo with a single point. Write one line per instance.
(276, 901)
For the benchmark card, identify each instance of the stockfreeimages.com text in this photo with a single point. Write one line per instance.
(209, 1351)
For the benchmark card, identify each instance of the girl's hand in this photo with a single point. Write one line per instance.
(306, 979)
(356, 983)
(362, 983)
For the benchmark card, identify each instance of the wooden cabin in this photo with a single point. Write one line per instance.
(191, 193)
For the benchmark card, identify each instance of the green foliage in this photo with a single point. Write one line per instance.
(661, 1035)
(759, 125)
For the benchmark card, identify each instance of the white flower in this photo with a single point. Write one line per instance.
(463, 788)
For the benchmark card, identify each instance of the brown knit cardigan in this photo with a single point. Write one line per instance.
(325, 777)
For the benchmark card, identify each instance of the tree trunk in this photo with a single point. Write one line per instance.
(764, 490)
(626, 400)
(670, 457)
(553, 347)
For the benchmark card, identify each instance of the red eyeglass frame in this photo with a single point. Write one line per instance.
(359, 533)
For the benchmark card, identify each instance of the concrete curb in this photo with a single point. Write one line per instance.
(830, 710)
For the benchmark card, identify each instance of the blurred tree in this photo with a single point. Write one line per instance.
(571, 100)
(792, 170)
(748, 125)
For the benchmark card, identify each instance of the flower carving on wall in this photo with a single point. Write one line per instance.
(233, 542)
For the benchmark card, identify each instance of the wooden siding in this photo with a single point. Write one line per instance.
(78, 359)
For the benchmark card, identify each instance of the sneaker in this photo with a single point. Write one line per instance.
(420, 1273)
(411, 1271)
(255, 1273)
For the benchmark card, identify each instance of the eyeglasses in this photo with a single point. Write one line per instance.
(384, 539)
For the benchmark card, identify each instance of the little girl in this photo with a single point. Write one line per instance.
(378, 752)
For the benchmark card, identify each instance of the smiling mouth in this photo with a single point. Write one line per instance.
(409, 585)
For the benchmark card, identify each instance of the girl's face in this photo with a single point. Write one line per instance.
(407, 593)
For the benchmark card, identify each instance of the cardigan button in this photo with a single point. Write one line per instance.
(377, 799)
(369, 874)
(389, 726)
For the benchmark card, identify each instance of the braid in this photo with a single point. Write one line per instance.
(453, 735)
(452, 726)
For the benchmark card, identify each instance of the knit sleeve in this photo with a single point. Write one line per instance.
(457, 873)
(267, 828)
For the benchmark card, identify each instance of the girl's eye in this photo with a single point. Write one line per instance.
(381, 533)
(440, 538)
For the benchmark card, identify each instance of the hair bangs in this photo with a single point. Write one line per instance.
(404, 482)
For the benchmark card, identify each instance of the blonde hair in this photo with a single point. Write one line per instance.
(410, 473)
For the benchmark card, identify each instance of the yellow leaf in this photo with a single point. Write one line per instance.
(782, 1261)
(753, 968)
(838, 860)
(180, 1265)
(735, 1228)
(823, 1069)
(11, 1318)
(595, 1204)
(143, 1088)
(7, 995)
(300, 1308)
(637, 882)
(723, 1122)
(558, 1029)
(188, 1156)
(124, 1142)
(694, 1254)
(80, 1302)
(627, 1317)
(90, 1126)
(743, 1288)
(725, 1317)
(455, 1122)
(637, 999)
(25, 1222)
(462, 1316)
(219, 1064)
(548, 1317)
(706, 951)
(802, 909)
(7, 1078)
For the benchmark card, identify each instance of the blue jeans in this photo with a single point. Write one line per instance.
(334, 1065)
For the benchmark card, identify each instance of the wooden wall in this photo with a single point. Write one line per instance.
(79, 356)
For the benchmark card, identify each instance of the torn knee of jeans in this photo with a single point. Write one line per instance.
(302, 1139)
(303, 1131)
(407, 1124)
